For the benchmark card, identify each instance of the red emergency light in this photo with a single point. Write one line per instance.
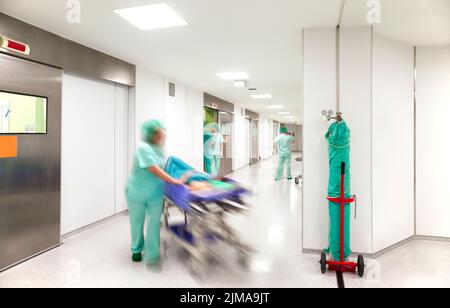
(16, 46)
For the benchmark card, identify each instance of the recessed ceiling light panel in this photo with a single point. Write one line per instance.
(262, 96)
(241, 84)
(234, 76)
(275, 107)
(155, 16)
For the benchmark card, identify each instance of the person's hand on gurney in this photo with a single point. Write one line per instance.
(187, 176)
(196, 185)
(164, 176)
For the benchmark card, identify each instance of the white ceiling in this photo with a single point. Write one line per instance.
(417, 22)
(260, 37)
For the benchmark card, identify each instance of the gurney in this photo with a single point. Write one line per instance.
(204, 223)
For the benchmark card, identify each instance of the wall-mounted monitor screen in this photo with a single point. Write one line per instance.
(22, 114)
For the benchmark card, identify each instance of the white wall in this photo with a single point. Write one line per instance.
(319, 94)
(182, 115)
(248, 148)
(240, 142)
(101, 127)
(94, 151)
(433, 149)
(122, 143)
(195, 120)
(265, 136)
(149, 98)
(176, 121)
(393, 142)
(356, 105)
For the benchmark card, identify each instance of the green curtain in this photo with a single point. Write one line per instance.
(338, 137)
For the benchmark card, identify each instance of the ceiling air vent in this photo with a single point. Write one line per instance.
(172, 89)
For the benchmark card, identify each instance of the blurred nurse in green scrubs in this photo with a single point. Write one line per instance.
(217, 142)
(284, 145)
(213, 149)
(144, 193)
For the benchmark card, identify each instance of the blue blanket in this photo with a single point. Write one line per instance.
(177, 168)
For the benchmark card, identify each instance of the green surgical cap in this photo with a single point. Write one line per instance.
(210, 126)
(284, 130)
(150, 128)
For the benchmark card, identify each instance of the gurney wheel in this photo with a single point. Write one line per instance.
(244, 260)
(323, 262)
(196, 268)
(361, 266)
(297, 181)
(164, 248)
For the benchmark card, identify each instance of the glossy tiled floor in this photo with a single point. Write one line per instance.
(99, 257)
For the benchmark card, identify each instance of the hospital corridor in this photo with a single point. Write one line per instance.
(276, 263)
(224, 152)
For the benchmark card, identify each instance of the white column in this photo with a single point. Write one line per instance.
(433, 147)
(356, 105)
(393, 142)
(376, 94)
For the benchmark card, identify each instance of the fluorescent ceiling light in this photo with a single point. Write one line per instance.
(262, 96)
(153, 16)
(234, 76)
(240, 84)
(275, 107)
(284, 113)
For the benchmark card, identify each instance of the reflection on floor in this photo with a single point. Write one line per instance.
(99, 257)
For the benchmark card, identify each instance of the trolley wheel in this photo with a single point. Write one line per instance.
(197, 269)
(361, 266)
(164, 246)
(297, 181)
(323, 262)
(244, 260)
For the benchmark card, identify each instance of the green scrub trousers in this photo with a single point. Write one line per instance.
(208, 164)
(284, 161)
(145, 202)
(215, 165)
(213, 154)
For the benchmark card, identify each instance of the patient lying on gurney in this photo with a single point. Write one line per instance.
(210, 184)
(195, 180)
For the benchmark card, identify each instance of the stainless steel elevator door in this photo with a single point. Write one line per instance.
(30, 183)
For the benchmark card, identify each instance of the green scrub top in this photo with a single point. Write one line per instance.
(284, 144)
(217, 141)
(144, 186)
(213, 146)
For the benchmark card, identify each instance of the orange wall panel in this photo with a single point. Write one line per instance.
(8, 146)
